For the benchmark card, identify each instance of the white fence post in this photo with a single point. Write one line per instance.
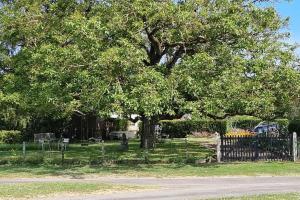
(295, 147)
(24, 149)
(186, 149)
(219, 155)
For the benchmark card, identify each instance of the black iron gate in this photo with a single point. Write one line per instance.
(277, 148)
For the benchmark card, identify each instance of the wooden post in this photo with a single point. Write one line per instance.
(24, 149)
(219, 155)
(256, 153)
(295, 147)
(102, 149)
(146, 151)
(62, 153)
(186, 149)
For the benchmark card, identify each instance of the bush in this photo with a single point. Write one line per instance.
(10, 136)
(283, 125)
(120, 124)
(179, 128)
(34, 160)
(294, 126)
(242, 122)
(249, 122)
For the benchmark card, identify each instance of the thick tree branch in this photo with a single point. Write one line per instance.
(178, 53)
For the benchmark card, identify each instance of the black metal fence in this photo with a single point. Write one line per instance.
(273, 148)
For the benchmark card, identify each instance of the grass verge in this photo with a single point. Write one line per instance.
(35, 190)
(157, 170)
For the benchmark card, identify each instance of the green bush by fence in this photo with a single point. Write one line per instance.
(249, 122)
(10, 136)
(242, 122)
(179, 128)
(283, 125)
(294, 126)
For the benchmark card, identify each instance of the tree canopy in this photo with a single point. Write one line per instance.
(155, 58)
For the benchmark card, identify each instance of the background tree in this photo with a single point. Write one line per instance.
(158, 59)
(219, 58)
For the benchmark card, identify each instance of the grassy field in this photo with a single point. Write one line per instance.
(287, 196)
(171, 151)
(155, 170)
(173, 158)
(36, 190)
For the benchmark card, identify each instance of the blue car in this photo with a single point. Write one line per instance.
(267, 128)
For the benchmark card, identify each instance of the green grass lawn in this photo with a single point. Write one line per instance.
(167, 160)
(155, 170)
(286, 196)
(34, 190)
(171, 151)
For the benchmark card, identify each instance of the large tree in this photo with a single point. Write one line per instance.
(155, 58)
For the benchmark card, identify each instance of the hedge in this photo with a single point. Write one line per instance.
(179, 128)
(242, 122)
(283, 125)
(10, 136)
(120, 124)
(248, 123)
(294, 126)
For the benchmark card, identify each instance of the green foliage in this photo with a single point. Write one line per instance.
(242, 122)
(283, 125)
(11, 112)
(10, 136)
(146, 57)
(249, 122)
(294, 126)
(180, 129)
(120, 124)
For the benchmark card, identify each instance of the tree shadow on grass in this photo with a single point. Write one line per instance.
(80, 171)
(169, 156)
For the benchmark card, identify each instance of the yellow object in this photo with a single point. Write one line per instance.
(239, 133)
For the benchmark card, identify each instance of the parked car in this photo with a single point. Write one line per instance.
(266, 128)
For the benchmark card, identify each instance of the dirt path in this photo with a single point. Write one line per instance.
(182, 188)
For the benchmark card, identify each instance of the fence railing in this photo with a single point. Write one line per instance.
(270, 148)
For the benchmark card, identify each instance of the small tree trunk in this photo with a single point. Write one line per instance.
(147, 133)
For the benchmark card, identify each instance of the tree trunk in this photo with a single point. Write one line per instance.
(147, 136)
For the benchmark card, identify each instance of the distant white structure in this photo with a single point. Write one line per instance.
(186, 117)
(131, 129)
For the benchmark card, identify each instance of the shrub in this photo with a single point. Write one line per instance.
(10, 136)
(179, 128)
(283, 125)
(120, 124)
(34, 160)
(249, 122)
(242, 122)
(294, 126)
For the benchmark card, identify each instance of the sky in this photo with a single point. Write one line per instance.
(291, 9)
